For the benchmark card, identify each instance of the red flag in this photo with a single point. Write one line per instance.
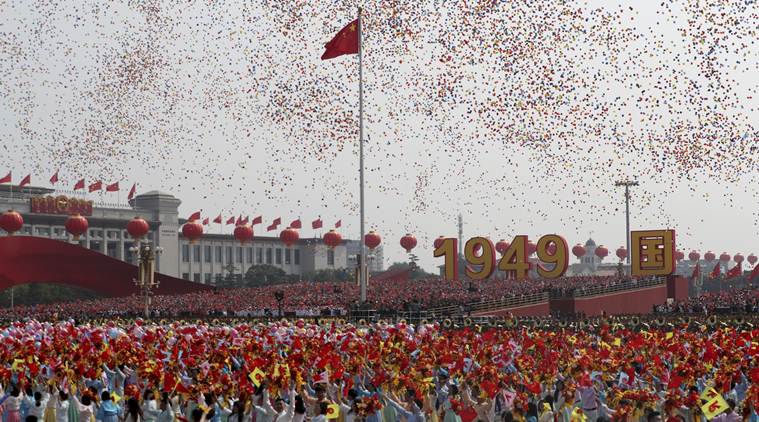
(79, 185)
(114, 187)
(239, 220)
(716, 271)
(231, 220)
(96, 186)
(270, 228)
(217, 220)
(205, 221)
(345, 42)
(6, 179)
(195, 216)
(754, 273)
(674, 382)
(338, 224)
(696, 272)
(316, 224)
(132, 191)
(245, 220)
(257, 220)
(296, 224)
(277, 221)
(54, 179)
(735, 271)
(25, 181)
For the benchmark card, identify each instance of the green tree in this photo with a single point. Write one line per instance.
(259, 275)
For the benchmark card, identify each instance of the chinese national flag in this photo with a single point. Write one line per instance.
(195, 216)
(96, 186)
(25, 181)
(716, 271)
(217, 220)
(735, 271)
(205, 221)
(257, 220)
(277, 221)
(345, 42)
(231, 220)
(270, 228)
(317, 224)
(79, 185)
(54, 179)
(338, 224)
(132, 192)
(296, 224)
(114, 187)
(6, 179)
(239, 220)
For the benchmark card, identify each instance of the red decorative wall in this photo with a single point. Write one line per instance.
(640, 301)
(677, 288)
(25, 259)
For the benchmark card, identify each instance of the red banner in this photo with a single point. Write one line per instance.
(60, 205)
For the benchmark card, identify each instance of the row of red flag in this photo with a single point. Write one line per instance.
(93, 187)
(736, 271)
(240, 220)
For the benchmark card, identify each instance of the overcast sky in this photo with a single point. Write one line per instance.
(520, 118)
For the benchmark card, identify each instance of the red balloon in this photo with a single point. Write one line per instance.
(531, 248)
(724, 257)
(602, 252)
(752, 259)
(438, 242)
(192, 230)
(372, 240)
(679, 256)
(243, 233)
(709, 256)
(408, 242)
(621, 253)
(137, 228)
(332, 239)
(77, 225)
(694, 256)
(502, 246)
(11, 221)
(578, 250)
(289, 236)
(738, 258)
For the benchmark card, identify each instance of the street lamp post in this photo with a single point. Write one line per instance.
(627, 184)
(146, 281)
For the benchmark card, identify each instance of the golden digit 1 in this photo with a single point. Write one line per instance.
(560, 257)
(515, 258)
(486, 259)
(449, 249)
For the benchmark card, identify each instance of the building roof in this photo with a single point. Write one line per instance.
(156, 193)
(590, 242)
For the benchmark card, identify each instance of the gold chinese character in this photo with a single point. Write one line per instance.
(652, 252)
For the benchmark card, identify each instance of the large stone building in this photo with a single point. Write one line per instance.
(45, 212)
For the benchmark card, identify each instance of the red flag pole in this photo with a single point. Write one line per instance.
(362, 275)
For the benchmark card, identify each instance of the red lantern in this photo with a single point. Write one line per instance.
(502, 246)
(531, 248)
(137, 228)
(289, 236)
(408, 242)
(602, 252)
(738, 258)
(243, 233)
(438, 242)
(77, 225)
(679, 256)
(578, 250)
(621, 253)
(694, 256)
(724, 257)
(11, 222)
(192, 230)
(709, 256)
(372, 240)
(752, 259)
(332, 239)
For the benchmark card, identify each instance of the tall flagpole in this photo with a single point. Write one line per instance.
(362, 267)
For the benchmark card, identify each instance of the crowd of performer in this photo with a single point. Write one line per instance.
(282, 372)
